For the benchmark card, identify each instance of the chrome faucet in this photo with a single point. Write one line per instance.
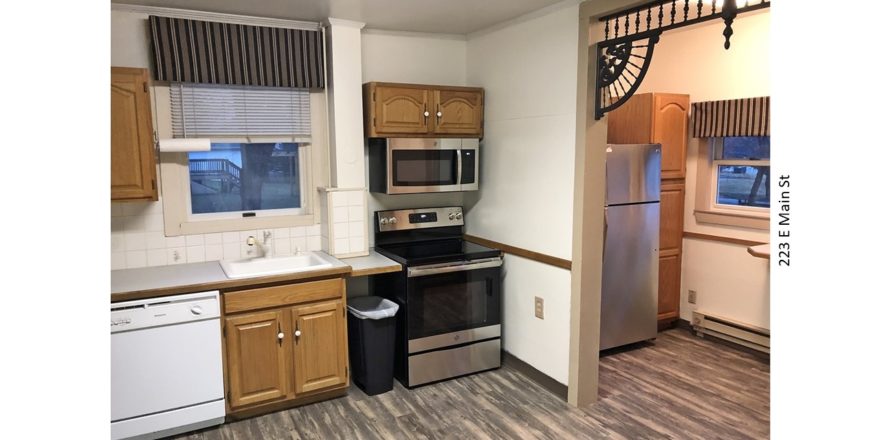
(265, 245)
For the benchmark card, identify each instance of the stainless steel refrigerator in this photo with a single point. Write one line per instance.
(632, 241)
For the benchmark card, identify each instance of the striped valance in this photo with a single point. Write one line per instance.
(224, 53)
(732, 117)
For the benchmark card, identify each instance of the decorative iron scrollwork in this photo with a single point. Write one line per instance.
(621, 68)
(623, 60)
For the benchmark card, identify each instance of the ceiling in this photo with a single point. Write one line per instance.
(435, 16)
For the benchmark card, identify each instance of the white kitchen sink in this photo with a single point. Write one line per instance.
(261, 266)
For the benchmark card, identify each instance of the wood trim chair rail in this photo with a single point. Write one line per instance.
(520, 252)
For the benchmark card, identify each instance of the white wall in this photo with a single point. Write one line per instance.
(529, 72)
(415, 58)
(692, 60)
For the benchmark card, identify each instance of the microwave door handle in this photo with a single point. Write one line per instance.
(458, 157)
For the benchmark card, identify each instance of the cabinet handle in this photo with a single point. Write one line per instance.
(426, 113)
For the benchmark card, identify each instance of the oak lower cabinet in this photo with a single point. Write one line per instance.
(284, 346)
(132, 157)
(317, 327)
(415, 110)
(671, 231)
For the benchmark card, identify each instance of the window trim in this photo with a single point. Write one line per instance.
(706, 210)
(174, 178)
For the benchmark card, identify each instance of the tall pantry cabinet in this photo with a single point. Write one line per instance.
(661, 118)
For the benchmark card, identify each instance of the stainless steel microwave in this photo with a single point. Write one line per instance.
(421, 165)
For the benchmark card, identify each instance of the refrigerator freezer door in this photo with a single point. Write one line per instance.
(632, 173)
(629, 275)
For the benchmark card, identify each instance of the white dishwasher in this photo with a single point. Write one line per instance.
(166, 366)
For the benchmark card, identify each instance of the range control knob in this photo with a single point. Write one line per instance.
(392, 220)
(458, 216)
(451, 216)
(383, 221)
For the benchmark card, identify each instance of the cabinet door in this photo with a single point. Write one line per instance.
(458, 112)
(631, 122)
(670, 131)
(670, 286)
(401, 110)
(320, 350)
(132, 164)
(256, 360)
(671, 215)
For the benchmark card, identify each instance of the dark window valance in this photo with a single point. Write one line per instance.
(224, 53)
(732, 117)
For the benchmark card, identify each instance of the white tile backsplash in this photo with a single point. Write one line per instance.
(176, 255)
(135, 259)
(137, 239)
(157, 257)
(195, 254)
(344, 223)
(195, 240)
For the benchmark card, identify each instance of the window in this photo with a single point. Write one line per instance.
(742, 172)
(267, 157)
(733, 181)
(238, 178)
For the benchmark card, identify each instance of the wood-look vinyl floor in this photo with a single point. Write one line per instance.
(679, 386)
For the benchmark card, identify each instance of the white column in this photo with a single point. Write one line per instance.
(345, 107)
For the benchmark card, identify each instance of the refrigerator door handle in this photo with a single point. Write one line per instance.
(604, 234)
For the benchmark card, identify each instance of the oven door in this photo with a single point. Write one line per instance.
(453, 303)
(423, 165)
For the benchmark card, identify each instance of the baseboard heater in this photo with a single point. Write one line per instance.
(751, 336)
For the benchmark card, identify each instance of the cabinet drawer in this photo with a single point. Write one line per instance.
(265, 297)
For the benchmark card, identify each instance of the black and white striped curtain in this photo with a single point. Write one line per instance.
(224, 53)
(732, 117)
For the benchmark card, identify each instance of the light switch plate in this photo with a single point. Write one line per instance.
(539, 307)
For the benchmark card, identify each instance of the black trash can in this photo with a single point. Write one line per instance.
(371, 343)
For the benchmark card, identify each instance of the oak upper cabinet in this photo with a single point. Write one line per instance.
(320, 346)
(256, 358)
(132, 160)
(458, 112)
(401, 110)
(412, 110)
(654, 118)
(285, 345)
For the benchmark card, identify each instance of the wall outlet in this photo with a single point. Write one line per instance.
(692, 296)
(539, 307)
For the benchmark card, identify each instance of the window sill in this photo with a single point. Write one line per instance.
(727, 218)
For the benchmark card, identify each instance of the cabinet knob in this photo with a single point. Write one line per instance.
(439, 114)
(280, 335)
(427, 114)
(297, 333)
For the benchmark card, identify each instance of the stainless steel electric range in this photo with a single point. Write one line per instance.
(449, 293)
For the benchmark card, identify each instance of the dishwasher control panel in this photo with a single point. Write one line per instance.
(170, 310)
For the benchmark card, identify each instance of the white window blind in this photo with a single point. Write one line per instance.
(205, 110)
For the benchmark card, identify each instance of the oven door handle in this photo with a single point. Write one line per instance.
(420, 271)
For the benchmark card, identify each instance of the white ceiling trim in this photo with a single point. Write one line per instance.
(341, 22)
(216, 17)
(525, 17)
(411, 34)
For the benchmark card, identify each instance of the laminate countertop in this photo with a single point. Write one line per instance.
(158, 281)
